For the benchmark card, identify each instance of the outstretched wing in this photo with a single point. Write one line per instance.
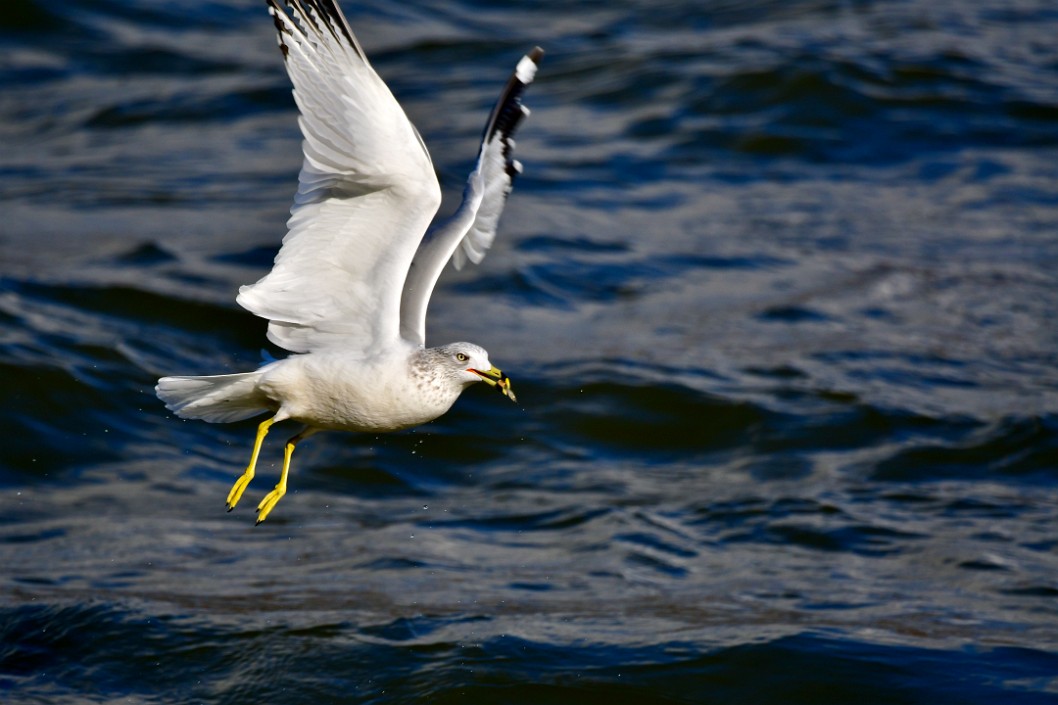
(367, 192)
(469, 233)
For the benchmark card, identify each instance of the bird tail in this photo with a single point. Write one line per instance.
(216, 398)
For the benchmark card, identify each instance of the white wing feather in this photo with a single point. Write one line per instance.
(469, 233)
(366, 193)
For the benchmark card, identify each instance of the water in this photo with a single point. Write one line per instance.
(777, 292)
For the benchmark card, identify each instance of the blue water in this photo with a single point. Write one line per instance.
(777, 291)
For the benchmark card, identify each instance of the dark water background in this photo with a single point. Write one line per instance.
(778, 292)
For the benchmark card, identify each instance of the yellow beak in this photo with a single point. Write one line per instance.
(495, 378)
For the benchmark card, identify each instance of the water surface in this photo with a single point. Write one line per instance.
(777, 291)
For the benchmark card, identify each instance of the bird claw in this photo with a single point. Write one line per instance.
(238, 488)
(269, 502)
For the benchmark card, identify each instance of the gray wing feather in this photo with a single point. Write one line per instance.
(469, 232)
(367, 192)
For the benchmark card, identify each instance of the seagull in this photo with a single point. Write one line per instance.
(348, 291)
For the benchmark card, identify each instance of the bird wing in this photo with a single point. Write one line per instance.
(469, 233)
(367, 192)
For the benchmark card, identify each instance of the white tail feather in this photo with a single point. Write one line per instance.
(216, 398)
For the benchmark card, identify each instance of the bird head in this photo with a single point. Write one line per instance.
(470, 364)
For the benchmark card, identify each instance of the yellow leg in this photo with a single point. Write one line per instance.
(240, 485)
(272, 498)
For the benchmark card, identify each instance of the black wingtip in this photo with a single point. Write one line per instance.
(509, 111)
(275, 10)
(319, 17)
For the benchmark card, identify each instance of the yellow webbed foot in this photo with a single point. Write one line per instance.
(270, 501)
(244, 480)
(238, 488)
(273, 497)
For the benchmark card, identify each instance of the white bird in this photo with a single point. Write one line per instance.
(349, 289)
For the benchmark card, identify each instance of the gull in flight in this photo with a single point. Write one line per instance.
(348, 291)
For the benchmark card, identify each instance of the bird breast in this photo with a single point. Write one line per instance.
(341, 391)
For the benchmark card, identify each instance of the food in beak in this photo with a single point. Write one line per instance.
(495, 378)
(504, 385)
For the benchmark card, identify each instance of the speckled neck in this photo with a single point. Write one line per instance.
(432, 379)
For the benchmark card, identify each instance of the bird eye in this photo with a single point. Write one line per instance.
(462, 357)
